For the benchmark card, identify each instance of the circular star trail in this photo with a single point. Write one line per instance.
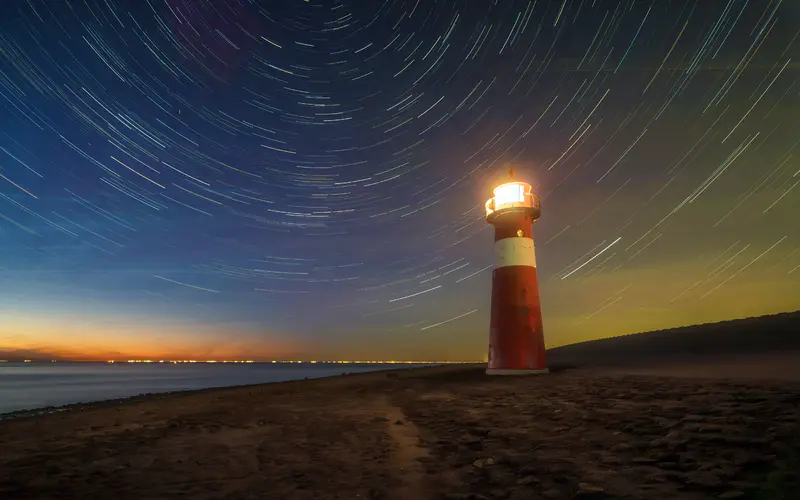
(306, 178)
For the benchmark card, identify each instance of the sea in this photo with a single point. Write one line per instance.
(30, 386)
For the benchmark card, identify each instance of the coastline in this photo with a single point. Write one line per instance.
(433, 432)
(86, 405)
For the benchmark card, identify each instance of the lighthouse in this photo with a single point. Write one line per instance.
(516, 339)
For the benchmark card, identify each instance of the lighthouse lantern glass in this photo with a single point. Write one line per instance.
(509, 193)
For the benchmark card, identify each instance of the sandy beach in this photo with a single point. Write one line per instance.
(443, 432)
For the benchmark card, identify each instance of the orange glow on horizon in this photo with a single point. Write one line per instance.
(103, 339)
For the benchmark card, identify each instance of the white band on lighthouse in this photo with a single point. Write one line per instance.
(515, 251)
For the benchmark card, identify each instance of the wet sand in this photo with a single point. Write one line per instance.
(444, 432)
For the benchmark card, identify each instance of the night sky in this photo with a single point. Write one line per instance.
(305, 179)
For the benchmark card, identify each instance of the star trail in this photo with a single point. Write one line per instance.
(272, 179)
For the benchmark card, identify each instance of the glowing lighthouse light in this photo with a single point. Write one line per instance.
(516, 339)
(506, 195)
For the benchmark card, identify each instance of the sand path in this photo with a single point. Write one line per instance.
(406, 453)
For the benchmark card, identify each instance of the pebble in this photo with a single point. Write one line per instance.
(621, 447)
(589, 488)
(552, 493)
(588, 491)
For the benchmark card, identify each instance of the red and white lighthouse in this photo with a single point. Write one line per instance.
(516, 339)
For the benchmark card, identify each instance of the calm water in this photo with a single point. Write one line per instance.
(29, 385)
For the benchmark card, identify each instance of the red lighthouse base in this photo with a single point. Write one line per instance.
(516, 343)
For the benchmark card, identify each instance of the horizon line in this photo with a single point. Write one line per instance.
(238, 361)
